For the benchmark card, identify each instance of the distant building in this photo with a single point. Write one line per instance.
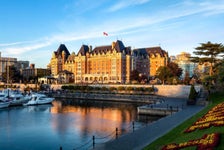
(22, 64)
(65, 77)
(32, 72)
(172, 58)
(147, 60)
(47, 80)
(183, 61)
(157, 58)
(6, 62)
(140, 61)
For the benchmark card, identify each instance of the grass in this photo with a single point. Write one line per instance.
(177, 135)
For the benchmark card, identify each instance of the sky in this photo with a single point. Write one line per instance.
(32, 30)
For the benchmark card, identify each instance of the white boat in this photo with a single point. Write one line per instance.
(4, 104)
(38, 99)
(18, 99)
(5, 93)
(2, 96)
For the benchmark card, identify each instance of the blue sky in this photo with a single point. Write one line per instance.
(32, 29)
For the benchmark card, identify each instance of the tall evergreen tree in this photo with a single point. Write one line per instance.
(209, 52)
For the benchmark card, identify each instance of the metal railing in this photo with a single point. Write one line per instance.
(91, 143)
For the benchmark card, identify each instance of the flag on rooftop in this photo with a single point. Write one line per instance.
(105, 33)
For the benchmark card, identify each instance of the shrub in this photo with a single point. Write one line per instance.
(192, 96)
(121, 88)
(112, 89)
(104, 88)
(129, 88)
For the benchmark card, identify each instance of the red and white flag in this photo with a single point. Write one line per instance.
(105, 33)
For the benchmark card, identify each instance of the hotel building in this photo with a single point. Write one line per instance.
(107, 64)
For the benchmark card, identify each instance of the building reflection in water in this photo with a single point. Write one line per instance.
(92, 118)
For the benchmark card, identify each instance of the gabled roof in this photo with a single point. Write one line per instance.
(102, 49)
(118, 46)
(60, 49)
(140, 52)
(156, 50)
(83, 50)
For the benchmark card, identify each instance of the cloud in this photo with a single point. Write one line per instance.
(20, 48)
(116, 27)
(124, 4)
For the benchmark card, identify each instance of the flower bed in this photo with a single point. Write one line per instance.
(208, 142)
(214, 117)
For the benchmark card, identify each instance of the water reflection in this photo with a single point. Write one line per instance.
(95, 117)
(43, 108)
(66, 122)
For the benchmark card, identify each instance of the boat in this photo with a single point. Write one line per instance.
(17, 99)
(38, 99)
(5, 93)
(2, 96)
(4, 104)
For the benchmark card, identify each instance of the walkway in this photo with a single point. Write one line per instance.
(144, 136)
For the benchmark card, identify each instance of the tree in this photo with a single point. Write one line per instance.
(210, 52)
(11, 74)
(163, 73)
(192, 96)
(134, 75)
(175, 70)
(186, 79)
(220, 74)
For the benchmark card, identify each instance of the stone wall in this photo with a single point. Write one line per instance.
(178, 91)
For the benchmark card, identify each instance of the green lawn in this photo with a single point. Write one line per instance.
(177, 135)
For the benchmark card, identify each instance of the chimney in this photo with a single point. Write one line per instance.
(32, 66)
(90, 48)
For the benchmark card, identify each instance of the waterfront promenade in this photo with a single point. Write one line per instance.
(146, 135)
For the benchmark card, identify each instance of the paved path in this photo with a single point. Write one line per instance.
(144, 136)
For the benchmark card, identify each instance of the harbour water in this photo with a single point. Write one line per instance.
(69, 124)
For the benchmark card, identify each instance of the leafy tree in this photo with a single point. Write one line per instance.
(169, 73)
(220, 74)
(163, 73)
(175, 70)
(11, 74)
(134, 75)
(186, 79)
(210, 52)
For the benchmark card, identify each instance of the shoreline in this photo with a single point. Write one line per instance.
(146, 135)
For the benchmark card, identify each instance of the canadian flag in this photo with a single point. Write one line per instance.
(105, 33)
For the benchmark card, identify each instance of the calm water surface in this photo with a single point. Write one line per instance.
(69, 124)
